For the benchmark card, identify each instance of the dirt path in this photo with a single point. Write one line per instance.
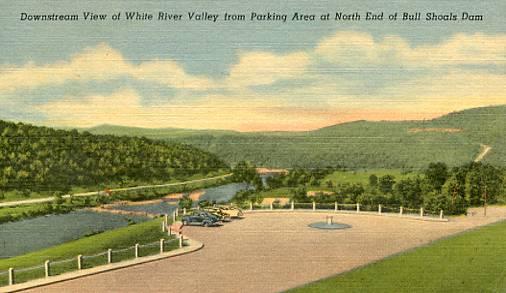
(52, 198)
(271, 252)
(485, 149)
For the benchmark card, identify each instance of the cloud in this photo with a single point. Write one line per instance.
(346, 76)
(361, 49)
(100, 63)
(263, 68)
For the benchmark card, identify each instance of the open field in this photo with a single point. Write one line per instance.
(270, 252)
(471, 262)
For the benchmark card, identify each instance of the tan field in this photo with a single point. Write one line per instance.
(270, 252)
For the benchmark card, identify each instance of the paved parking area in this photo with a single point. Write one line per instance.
(270, 252)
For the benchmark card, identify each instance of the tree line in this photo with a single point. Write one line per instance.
(42, 159)
(437, 188)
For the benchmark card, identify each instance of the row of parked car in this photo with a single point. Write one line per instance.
(211, 215)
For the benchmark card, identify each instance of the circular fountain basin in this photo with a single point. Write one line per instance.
(327, 226)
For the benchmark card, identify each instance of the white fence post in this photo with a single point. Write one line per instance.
(12, 280)
(421, 212)
(136, 250)
(401, 211)
(177, 212)
(181, 241)
(109, 255)
(162, 241)
(250, 205)
(292, 206)
(358, 207)
(184, 211)
(174, 217)
(163, 226)
(335, 206)
(270, 206)
(314, 206)
(166, 218)
(441, 214)
(80, 262)
(47, 267)
(379, 209)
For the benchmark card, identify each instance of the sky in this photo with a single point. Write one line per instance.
(251, 75)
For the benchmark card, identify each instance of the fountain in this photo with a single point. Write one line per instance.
(329, 224)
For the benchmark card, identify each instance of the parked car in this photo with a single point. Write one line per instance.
(218, 212)
(233, 212)
(202, 218)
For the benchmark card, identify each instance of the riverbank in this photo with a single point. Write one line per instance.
(16, 211)
(38, 198)
(121, 238)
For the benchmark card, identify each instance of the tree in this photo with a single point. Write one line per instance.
(484, 183)
(185, 202)
(436, 174)
(300, 195)
(409, 192)
(373, 181)
(246, 172)
(275, 181)
(454, 192)
(350, 192)
(386, 183)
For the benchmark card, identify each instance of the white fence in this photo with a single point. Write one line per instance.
(388, 210)
(51, 268)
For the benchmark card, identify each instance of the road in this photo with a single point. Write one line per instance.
(271, 252)
(52, 198)
(485, 149)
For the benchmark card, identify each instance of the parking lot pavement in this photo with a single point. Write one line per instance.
(270, 252)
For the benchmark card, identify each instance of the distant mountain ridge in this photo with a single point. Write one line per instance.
(454, 138)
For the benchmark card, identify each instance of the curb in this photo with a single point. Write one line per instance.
(194, 246)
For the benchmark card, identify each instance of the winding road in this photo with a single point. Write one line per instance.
(52, 198)
(485, 149)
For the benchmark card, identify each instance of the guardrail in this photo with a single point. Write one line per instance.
(81, 262)
(387, 210)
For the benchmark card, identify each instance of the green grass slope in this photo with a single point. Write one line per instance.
(455, 139)
(471, 262)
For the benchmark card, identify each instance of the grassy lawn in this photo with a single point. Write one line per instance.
(278, 192)
(363, 176)
(474, 261)
(143, 233)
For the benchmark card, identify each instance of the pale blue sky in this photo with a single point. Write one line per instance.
(323, 83)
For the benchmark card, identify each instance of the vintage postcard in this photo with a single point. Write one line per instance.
(252, 146)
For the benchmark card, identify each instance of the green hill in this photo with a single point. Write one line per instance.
(43, 159)
(155, 133)
(455, 138)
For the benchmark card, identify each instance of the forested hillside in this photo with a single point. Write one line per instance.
(454, 139)
(44, 159)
